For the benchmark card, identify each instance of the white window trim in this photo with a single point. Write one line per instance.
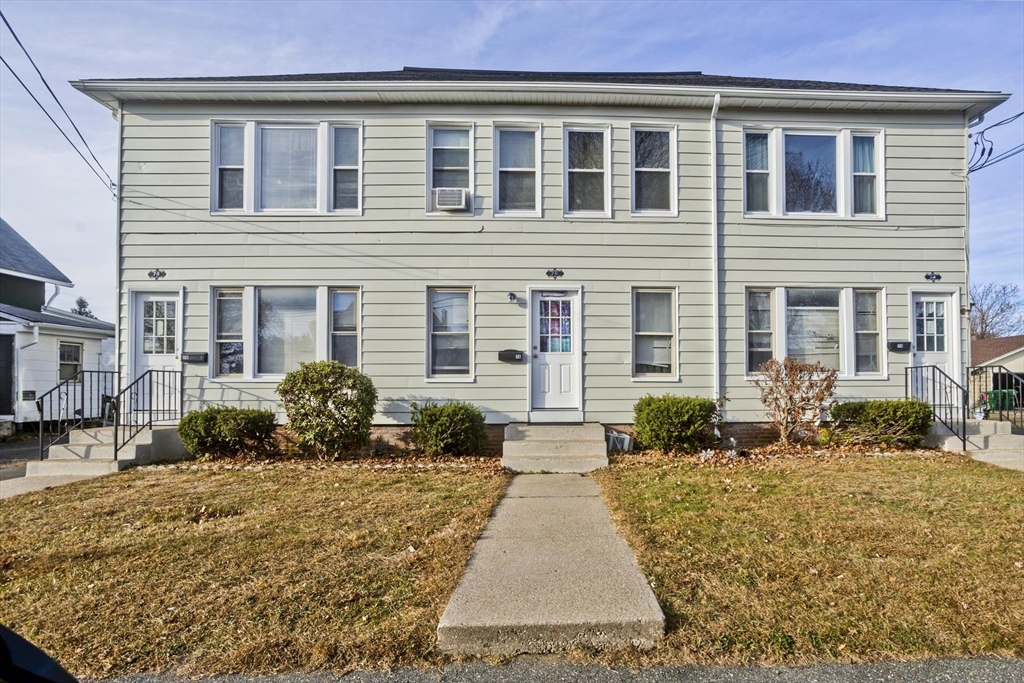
(676, 329)
(214, 355)
(329, 323)
(252, 161)
(427, 324)
(496, 130)
(844, 172)
(673, 169)
(429, 127)
(772, 324)
(847, 334)
(955, 321)
(250, 322)
(81, 358)
(593, 128)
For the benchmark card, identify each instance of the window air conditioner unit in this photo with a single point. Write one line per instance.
(451, 198)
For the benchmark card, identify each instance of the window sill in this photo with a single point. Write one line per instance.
(468, 213)
(449, 380)
(840, 378)
(653, 214)
(669, 379)
(228, 379)
(288, 213)
(825, 217)
(516, 214)
(586, 216)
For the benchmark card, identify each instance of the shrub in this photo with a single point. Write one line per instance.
(794, 395)
(222, 430)
(904, 422)
(448, 428)
(674, 423)
(330, 407)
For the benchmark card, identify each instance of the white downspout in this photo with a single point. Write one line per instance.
(56, 291)
(716, 331)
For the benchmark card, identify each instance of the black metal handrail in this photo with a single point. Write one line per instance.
(948, 399)
(154, 396)
(84, 398)
(1003, 392)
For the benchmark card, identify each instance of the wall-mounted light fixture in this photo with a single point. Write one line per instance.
(933, 277)
(156, 274)
(555, 273)
(512, 298)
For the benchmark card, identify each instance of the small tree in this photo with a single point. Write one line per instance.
(81, 308)
(794, 395)
(996, 311)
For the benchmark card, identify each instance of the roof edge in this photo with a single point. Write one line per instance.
(27, 276)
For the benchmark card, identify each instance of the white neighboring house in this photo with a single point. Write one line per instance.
(40, 346)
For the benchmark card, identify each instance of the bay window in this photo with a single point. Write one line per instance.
(587, 181)
(449, 333)
(654, 323)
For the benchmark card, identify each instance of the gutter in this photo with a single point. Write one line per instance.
(716, 329)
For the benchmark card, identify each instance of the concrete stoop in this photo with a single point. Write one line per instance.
(988, 441)
(90, 452)
(550, 573)
(569, 448)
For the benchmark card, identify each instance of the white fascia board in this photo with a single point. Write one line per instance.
(37, 278)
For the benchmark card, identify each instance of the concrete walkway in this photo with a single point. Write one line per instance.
(15, 487)
(550, 572)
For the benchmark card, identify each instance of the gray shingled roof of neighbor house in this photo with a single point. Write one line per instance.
(25, 315)
(984, 350)
(19, 257)
(677, 78)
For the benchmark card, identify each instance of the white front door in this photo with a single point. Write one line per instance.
(932, 329)
(157, 347)
(555, 350)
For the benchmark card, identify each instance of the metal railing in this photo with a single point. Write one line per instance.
(997, 392)
(85, 398)
(929, 383)
(155, 396)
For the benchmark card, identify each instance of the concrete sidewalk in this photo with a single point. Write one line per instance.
(550, 572)
(20, 485)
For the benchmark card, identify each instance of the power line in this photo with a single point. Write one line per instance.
(40, 105)
(1001, 157)
(55, 99)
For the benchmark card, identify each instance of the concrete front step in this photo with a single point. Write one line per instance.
(988, 427)
(549, 432)
(555, 464)
(982, 442)
(91, 467)
(1011, 459)
(553, 448)
(100, 451)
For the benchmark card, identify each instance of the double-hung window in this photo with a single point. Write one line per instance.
(229, 185)
(345, 169)
(841, 328)
(449, 333)
(345, 326)
(517, 183)
(654, 324)
(587, 179)
(654, 170)
(228, 345)
(812, 173)
(451, 161)
(69, 360)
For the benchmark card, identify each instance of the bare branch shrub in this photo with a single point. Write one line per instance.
(794, 395)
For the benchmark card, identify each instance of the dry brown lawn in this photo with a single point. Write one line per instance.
(859, 558)
(215, 571)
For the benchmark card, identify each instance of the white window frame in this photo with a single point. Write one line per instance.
(333, 166)
(847, 328)
(772, 324)
(328, 306)
(428, 325)
(470, 126)
(252, 166)
(672, 170)
(844, 172)
(80, 363)
(675, 331)
(606, 129)
(497, 129)
(217, 341)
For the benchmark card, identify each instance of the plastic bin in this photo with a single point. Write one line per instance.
(1000, 399)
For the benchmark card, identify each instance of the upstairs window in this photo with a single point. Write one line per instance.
(587, 181)
(810, 173)
(865, 177)
(345, 169)
(654, 171)
(230, 181)
(518, 184)
(756, 172)
(288, 177)
(450, 161)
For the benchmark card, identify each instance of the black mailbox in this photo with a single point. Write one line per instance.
(510, 356)
(899, 346)
(194, 357)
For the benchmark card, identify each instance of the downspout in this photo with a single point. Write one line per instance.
(965, 358)
(56, 291)
(118, 193)
(716, 332)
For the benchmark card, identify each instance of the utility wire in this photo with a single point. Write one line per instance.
(1001, 157)
(55, 99)
(40, 105)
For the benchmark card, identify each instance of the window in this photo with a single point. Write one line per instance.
(345, 169)
(450, 160)
(759, 329)
(653, 333)
(159, 326)
(230, 181)
(839, 328)
(228, 346)
(518, 181)
(654, 171)
(930, 325)
(285, 328)
(587, 188)
(449, 333)
(313, 167)
(70, 360)
(345, 326)
(808, 173)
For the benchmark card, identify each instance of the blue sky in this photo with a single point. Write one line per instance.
(50, 196)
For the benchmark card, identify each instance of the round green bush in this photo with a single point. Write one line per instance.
(671, 423)
(453, 428)
(224, 430)
(902, 422)
(330, 407)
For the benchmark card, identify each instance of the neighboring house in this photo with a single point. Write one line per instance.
(40, 346)
(1005, 351)
(628, 233)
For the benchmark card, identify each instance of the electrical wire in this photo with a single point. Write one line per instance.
(55, 99)
(40, 105)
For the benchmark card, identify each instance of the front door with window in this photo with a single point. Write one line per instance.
(156, 348)
(932, 331)
(555, 352)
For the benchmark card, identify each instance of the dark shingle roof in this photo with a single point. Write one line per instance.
(679, 78)
(984, 350)
(27, 315)
(18, 256)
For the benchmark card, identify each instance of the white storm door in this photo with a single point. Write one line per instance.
(157, 347)
(932, 329)
(555, 350)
